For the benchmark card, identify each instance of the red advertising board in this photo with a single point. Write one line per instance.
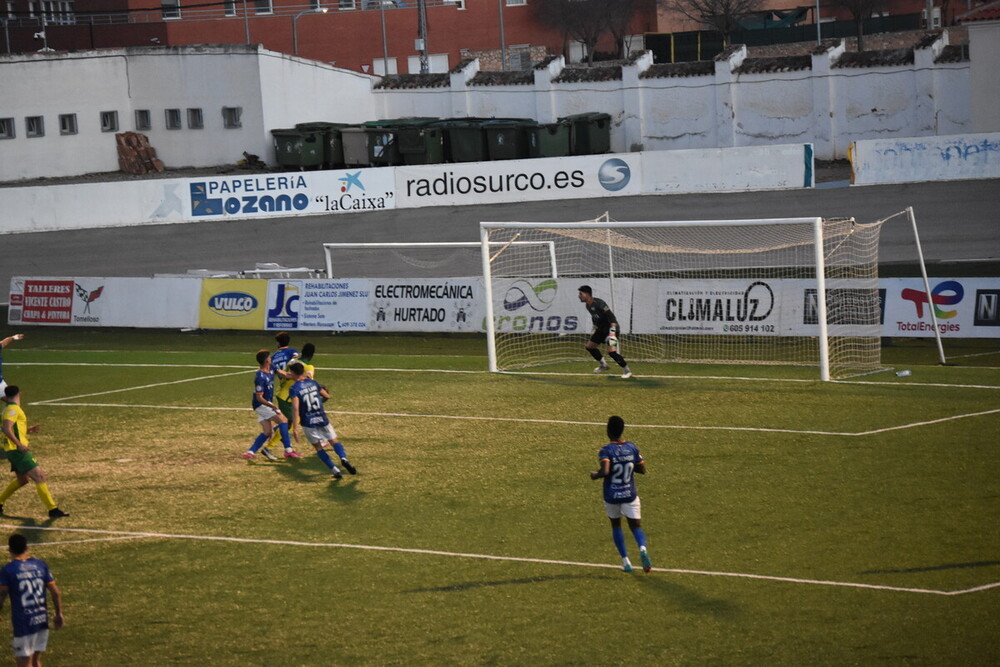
(47, 302)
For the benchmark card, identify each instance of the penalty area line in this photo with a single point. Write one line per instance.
(54, 401)
(459, 554)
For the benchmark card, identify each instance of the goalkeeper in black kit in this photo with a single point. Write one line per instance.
(605, 331)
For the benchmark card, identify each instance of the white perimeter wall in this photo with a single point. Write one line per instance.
(951, 158)
(44, 86)
(984, 51)
(826, 106)
(209, 80)
(273, 90)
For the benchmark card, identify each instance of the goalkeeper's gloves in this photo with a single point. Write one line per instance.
(612, 339)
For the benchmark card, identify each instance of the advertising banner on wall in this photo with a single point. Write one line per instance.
(327, 305)
(232, 303)
(107, 302)
(964, 307)
(454, 304)
(302, 193)
(548, 305)
(579, 177)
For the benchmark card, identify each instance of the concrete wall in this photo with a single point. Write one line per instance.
(827, 106)
(984, 51)
(924, 159)
(273, 90)
(207, 79)
(40, 85)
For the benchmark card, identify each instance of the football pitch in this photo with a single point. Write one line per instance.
(790, 521)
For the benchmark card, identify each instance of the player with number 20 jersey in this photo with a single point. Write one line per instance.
(619, 486)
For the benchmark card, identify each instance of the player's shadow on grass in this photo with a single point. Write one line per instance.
(690, 600)
(28, 522)
(937, 568)
(470, 585)
(346, 490)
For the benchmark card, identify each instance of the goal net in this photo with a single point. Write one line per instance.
(800, 291)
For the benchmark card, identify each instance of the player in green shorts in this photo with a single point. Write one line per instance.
(22, 461)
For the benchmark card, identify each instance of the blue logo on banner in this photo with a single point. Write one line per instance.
(232, 304)
(263, 194)
(614, 174)
(283, 313)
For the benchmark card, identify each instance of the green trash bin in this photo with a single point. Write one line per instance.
(354, 141)
(590, 133)
(297, 149)
(383, 149)
(507, 138)
(549, 140)
(421, 144)
(465, 140)
(333, 145)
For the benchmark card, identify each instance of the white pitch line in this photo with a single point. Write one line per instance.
(563, 422)
(93, 539)
(123, 365)
(514, 559)
(929, 422)
(405, 415)
(145, 386)
(447, 371)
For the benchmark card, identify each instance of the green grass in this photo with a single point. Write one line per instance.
(906, 506)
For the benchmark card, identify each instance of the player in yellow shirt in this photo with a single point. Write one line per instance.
(22, 461)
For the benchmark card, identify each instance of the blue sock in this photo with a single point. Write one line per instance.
(324, 456)
(619, 537)
(285, 440)
(258, 443)
(341, 452)
(640, 537)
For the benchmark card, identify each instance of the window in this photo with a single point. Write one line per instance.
(232, 117)
(6, 128)
(383, 67)
(459, 3)
(173, 119)
(195, 120)
(262, 6)
(67, 123)
(143, 120)
(516, 3)
(230, 7)
(345, 4)
(171, 9)
(34, 126)
(10, 10)
(518, 58)
(109, 121)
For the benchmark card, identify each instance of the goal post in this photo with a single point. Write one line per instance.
(798, 291)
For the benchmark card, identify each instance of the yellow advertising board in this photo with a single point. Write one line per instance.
(232, 304)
